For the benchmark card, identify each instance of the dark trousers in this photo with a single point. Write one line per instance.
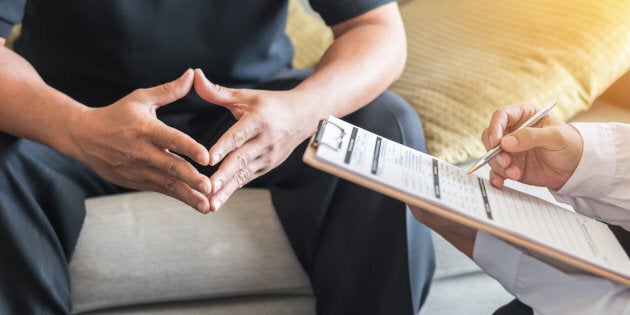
(514, 307)
(364, 252)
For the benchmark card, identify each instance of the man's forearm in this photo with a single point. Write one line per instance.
(30, 108)
(368, 54)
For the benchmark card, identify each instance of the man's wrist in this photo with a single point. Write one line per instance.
(64, 140)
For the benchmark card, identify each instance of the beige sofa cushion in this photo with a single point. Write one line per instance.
(144, 247)
(467, 58)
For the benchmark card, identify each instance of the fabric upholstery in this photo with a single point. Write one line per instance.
(14, 33)
(308, 33)
(467, 58)
(261, 305)
(140, 248)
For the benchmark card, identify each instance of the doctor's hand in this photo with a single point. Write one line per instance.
(127, 145)
(270, 125)
(545, 154)
(461, 236)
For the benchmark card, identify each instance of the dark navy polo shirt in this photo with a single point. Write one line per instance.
(100, 50)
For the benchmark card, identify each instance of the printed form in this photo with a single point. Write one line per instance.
(448, 186)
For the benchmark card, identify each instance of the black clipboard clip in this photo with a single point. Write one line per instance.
(319, 136)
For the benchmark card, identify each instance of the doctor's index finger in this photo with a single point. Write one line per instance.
(507, 119)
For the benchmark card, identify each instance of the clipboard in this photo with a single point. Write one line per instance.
(336, 146)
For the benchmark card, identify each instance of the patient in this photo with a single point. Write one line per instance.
(566, 158)
(89, 106)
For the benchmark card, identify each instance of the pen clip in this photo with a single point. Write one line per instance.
(319, 135)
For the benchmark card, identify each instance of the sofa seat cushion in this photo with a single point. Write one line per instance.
(146, 248)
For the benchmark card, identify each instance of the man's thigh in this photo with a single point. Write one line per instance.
(42, 195)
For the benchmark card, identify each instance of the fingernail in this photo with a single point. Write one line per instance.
(500, 160)
(206, 187)
(215, 159)
(511, 173)
(217, 204)
(202, 158)
(217, 185)
(202, 207)
(496, 182)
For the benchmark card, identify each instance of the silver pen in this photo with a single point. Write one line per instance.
(496, 150)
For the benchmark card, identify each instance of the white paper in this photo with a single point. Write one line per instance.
(448, 186)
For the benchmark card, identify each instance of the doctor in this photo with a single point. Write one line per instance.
(586, 165)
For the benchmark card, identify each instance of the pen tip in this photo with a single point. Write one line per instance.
(472, 169)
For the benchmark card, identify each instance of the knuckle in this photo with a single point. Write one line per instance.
(172, 142)
(242, 177)
(260, 125)
(169, 185)
(242, 160)
(218, 88)
(166, 88)
(267, 159)
(172, 168)
(140, 93)
(238, 138)
(159, 188)
(262, 171)
(498, 113)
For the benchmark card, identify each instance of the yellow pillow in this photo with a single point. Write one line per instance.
(308, 33)
(15, 32)
(467, 58)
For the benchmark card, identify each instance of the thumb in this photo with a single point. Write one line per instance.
(169, 92)
(213, 93)
(549, 138)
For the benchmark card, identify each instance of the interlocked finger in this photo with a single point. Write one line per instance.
(243, 176)
(236, 162)
(174, 140)
(159, 181)
(175, 166)
(237, 136)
